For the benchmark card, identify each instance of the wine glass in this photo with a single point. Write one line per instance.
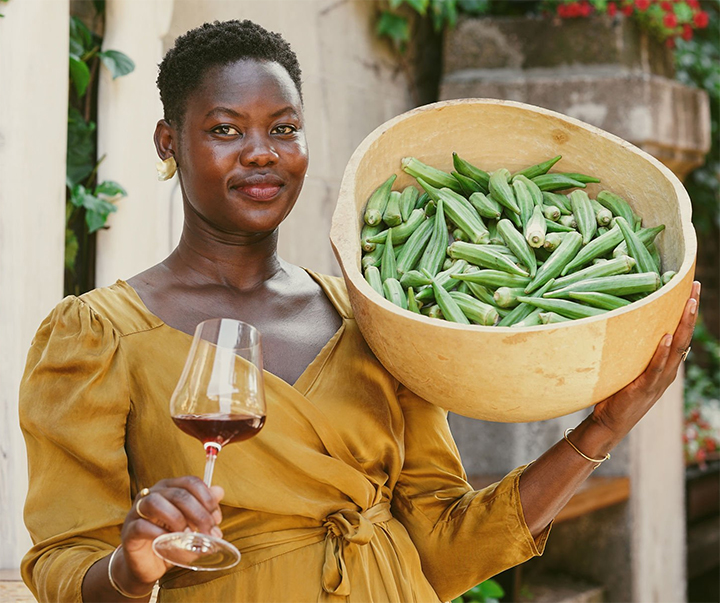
(219, 399)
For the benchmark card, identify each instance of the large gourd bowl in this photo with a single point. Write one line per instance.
(511, 374)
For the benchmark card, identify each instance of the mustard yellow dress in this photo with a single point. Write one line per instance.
(353, 491)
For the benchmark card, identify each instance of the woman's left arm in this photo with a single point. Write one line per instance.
(548, 484)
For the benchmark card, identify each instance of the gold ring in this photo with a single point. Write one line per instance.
(685, 354)
(142, 494)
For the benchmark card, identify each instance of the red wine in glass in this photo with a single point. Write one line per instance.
(220, 428)
(218, 400)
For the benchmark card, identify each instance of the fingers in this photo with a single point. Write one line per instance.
(178, 504)
(664, 364)
(684, 332)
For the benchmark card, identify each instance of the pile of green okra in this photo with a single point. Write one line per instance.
(506, 249)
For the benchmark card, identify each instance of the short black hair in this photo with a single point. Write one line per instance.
(216, 44)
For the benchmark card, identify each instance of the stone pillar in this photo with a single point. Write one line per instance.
(128, 109)
(608, 74)
(33, 133)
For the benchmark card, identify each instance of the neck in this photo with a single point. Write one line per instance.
(240, 262)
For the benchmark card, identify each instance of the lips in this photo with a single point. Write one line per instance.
(259, 187)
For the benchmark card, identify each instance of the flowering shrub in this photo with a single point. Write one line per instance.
(701, 436)
(666, 19)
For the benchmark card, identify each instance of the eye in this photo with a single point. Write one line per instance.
(284, 129)
(226, 130)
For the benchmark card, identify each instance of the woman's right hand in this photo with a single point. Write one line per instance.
(172, 505)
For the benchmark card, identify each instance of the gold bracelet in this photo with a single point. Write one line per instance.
(115, 585)
(585, 456)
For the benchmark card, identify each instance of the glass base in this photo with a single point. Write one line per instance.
(196, 551)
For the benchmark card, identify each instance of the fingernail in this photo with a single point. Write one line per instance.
(217, 516)
(699, 286)
(187, 529)
(217, 532)
(693, 306)
(667, 341)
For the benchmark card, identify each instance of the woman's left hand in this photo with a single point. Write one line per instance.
(621, 411)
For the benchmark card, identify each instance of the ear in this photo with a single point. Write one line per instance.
(165, 139)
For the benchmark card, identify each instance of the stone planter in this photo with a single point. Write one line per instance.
(602, 71)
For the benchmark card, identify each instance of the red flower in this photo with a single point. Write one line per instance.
(585, 9)
(709, 444)
(574, 9)
(642, 5)
(670, 42)
(666, 6)
(687, 33)
(612, 9)
(562, 11)
(628, 9)
(670, 20)
(693, 3)
(701, 19)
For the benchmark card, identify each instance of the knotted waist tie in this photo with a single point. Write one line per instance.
(346, 527)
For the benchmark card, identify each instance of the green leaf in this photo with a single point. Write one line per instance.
(79, 74)
(117, 62)
(111, 189)
(80, 148)
(71, 249)
(420, 6)
(395, 27)
(80, 35)
(490, 588)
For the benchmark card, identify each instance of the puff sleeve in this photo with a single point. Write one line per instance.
(463, 536)
(74, 402)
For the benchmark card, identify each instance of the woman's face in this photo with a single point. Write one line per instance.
(242, 152)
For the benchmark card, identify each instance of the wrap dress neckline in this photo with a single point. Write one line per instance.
(312, 370)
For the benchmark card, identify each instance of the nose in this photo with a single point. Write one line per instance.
(258, 150)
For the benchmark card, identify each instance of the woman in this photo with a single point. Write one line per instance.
(354, 488)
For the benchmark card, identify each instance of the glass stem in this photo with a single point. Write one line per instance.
(211, 451)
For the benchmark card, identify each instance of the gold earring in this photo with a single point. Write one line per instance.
(166, 168)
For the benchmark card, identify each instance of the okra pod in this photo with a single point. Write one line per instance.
(605, 301)
(388, 268)
(539, 169)
(378, 201)
(643, 260)
(603, 216)
(501, 190)
(548, 318)
(414, 279)
(536, 228)
(449, 307)
(518, 245)
(584, 214)
(468, 185)
(414, 246)
(557, 261)
(551, 212)
(558, 200)
(617, 205)
(621, 284)
(394, 293)
(556, 182)
(620, 265)
(535, 193)
(507, 297)
(493, 278)
(562, 306)
(434, 176)
(413, 306)
(443, 279)
(645, 235)
(481, 256)
(367, 232)
(401, 233)
(475, 310)
(392, 215)
(408, 199)
(486, 206)
(467, 169)
(434, 254)
(597, 247)
(372, 276)
(524, 201)
(531, 320)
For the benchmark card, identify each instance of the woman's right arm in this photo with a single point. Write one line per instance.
(74, 407)
(172, 505)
